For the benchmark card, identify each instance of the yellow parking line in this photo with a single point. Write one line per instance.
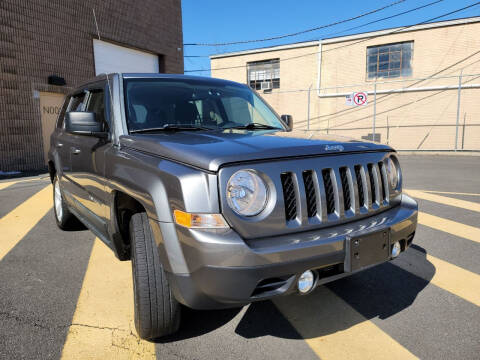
(6, 184)
(456, 280)
(451, 193)
(103, 323)
(449, 226)
(17, 223)
(445, 200)
(334, 330)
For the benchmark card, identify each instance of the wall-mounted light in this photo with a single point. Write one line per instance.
(56, 80)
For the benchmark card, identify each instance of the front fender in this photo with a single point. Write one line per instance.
(161, 186)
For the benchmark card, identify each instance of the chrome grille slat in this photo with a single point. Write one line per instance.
(373, 184)
(337, 188)
(366, 175)
(347, 199)
(310, 192)
(354, 190)
(378, 183)
(329, 192)
(322, 199)
(289, 196)
(383, 174)
(360, 186)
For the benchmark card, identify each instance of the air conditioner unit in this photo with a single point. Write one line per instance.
(265, 85)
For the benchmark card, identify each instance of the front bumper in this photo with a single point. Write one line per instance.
(227, 271)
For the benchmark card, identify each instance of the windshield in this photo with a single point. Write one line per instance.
(156, 104)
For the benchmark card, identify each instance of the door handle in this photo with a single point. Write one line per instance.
(59, 145)
(75, 151)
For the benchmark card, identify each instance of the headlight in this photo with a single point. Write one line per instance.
(393, 173)
(246, 193)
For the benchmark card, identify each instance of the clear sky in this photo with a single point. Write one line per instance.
(219, 21)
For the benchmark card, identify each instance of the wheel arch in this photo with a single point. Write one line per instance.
(124, 207)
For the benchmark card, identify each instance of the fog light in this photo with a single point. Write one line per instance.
(396, 249)
(305, 282)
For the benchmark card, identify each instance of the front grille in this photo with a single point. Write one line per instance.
(332, 193)
(347, 202)
(289, 196)
(329, 193)
(310, 193)
(361, 194)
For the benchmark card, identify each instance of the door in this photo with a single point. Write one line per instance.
(88, 167)
(50, 106)
(62, 142)
(111, 58)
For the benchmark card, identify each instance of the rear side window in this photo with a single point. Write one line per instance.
(96, 104)
(77, 103)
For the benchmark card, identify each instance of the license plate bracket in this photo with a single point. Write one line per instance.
(366, 250)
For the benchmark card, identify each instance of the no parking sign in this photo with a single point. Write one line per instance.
(356, 99)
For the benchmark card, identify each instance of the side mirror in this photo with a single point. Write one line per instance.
(288, 119)
(84, 123)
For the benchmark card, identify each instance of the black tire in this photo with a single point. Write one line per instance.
(157, 312)
(63, 217)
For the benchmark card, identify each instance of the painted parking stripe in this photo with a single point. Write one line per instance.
(103, 323)
(335, 330)
(5, 184)
(17, 223)
(456, 280)
(451, 193)
(468, 205)
(449, 226)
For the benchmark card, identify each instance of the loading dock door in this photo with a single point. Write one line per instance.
(110, 58)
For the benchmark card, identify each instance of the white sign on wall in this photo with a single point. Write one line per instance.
(356, 99)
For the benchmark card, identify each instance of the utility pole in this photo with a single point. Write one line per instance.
(458, 107)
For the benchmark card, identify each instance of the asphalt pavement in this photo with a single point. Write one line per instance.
(64, 294)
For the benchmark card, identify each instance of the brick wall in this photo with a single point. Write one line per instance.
(45, 37)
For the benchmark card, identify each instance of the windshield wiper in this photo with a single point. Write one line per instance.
(171, 127)
(255, 126)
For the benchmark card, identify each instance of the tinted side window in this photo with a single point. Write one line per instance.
(77, 103)
(96, 104)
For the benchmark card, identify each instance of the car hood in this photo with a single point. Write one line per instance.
(210, 150)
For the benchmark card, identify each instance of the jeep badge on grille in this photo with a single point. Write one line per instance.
(334, 148)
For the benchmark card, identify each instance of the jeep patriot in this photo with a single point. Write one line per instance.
(213, 198)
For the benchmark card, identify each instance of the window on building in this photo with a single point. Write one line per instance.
(264, 75)
(389, 61)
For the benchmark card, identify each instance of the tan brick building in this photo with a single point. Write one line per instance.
(45, 38)
(415, 71)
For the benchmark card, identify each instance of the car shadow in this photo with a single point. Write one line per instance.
(381, 291)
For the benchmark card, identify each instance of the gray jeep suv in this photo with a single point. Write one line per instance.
(213, 198)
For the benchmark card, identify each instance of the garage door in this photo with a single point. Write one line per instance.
(110, 58)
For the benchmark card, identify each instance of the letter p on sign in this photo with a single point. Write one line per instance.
(360, 99)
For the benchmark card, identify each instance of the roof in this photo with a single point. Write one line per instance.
(206, 79)
(383, 32)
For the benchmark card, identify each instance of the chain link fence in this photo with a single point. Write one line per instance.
(433, 113)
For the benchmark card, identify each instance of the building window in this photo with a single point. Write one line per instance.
(389, 61)
(264, 75)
